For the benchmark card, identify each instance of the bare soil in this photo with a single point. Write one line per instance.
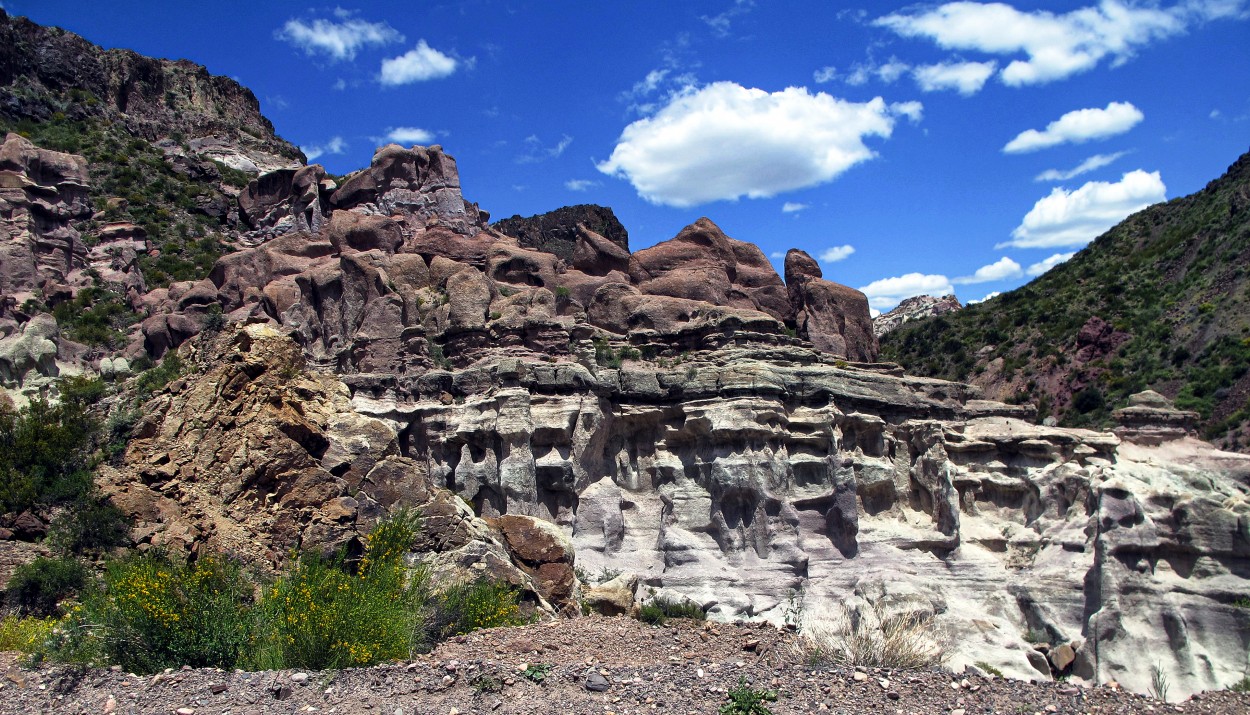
(683, 667)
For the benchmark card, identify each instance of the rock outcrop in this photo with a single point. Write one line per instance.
(915, 308)
(832, 316)
(41, 194)
(679, 414)
(559, 232)
(252, 456)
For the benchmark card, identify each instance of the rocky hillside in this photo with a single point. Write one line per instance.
(916, 308)
(683, 415)
(1161, 301)
(48, 75)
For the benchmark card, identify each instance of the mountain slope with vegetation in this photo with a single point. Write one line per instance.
(1161, 301)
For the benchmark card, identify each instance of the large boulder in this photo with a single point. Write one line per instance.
(421, 183)
(702, 263)
(834, 317)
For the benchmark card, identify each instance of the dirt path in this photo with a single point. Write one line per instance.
(588, 665)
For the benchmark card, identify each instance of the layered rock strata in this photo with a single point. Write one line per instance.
(679, 414)
(252, 456)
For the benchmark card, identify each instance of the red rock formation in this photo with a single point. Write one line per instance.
(832, 316)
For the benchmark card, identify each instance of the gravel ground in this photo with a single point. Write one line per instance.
(590, 665)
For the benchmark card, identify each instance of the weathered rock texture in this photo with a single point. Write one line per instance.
(834, 317)
(917, 308)
(256, 458)
(45, 70)
(679, 414)
(557, 232)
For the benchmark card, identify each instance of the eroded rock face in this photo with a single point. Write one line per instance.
(256, 458)
(834, 317)
(702, 263)
(41, 193)
(150, 97)
(656, 411)
(559, 232)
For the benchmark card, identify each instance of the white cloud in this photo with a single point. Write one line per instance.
(1093, 163)
(1074, 218)
(777, 255)
(790, 207)
(648, 84)
(581, 184)
(992, 294)
(1041, 267)
(721, 24)
(1055, 46)
(1000, 270)
(536, 152)
(888, 72)
(336, 40)
(336, 145)
(825, 74)
(873, 313)
(419, 64)
(409, 135)
(965, 77)
(836, 253)
(1078, 126)
(725, 141)
(913, 110)
(889, 292)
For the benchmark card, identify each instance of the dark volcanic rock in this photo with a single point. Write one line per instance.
(556, 231)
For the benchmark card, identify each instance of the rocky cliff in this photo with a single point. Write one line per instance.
(48, 74)
(662, 414)
(681, 414)
(558, 231)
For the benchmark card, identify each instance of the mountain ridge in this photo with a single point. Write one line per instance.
(1157, 302)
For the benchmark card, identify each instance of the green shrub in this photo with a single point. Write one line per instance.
(155, 612)
(989, 669)
(537, 672)
(38, 587)
(154, 379)
(81, 390)
(96, 316)
(659, 609)
(745, 700)
(44, 454)
(318, 615)
(467, 607)
(92, 524)
(25, 634)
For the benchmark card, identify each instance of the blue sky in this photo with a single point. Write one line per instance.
(913, 148)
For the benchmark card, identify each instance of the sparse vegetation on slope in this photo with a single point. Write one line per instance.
(152, 611)
(1170, 283)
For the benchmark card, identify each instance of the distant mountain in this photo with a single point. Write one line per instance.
(1161, 301)
(916, 308)
(50, 75)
